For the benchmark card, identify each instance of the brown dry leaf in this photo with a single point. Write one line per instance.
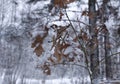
(64, 46)
(96, 31)
(38, 50)
(58, 55)
(48, 72)
(61, 14)
(84, 13)
(59, 46)
(59, 50)
(75, 39)
(62, 3)
(51, 60)
(46, 69)
(60, 32)
(59, 3)
(38, 39)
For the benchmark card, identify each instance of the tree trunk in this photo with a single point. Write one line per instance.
(107, 59)
(108, 71)
(94, 58)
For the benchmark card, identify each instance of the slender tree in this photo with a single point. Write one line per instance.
(94, 57)
(106, 41)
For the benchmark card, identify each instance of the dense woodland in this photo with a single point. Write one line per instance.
(59, 41)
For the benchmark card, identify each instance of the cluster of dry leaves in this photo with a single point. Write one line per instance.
(59, 43)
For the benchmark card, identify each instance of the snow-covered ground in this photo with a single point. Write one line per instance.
(51, 81)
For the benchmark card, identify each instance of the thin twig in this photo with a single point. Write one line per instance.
(74, 21)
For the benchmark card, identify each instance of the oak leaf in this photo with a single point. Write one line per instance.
(58, 55)
(46, 69)
(38, 39)
(59, 50)
(38, 50)
(62, 3)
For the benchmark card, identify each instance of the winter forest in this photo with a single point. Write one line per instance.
(59, 41)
